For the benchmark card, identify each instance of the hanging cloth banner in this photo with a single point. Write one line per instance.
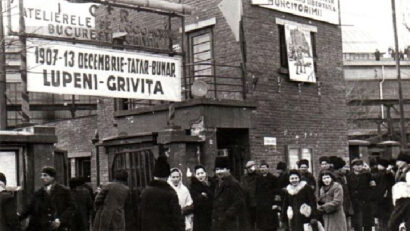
(300, 53)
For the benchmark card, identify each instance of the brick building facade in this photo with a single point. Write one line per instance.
(252, 109)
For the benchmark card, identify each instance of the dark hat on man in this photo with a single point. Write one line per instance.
(264, 163)
(404, 157)
(121, 175)
(303, 161)
(222, 162)
(162, 169)
(3, 178)
(49, 171)
(383, 162)
(281, 166)
(324, 158)
(357, 162)
(337, 162)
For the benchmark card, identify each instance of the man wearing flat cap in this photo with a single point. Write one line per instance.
(359, 183)
(229, 207)
(403, 166)
(51, 207)
(248, 182)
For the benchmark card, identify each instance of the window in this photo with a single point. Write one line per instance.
(296, 153)
(81, 167)
(201, 53)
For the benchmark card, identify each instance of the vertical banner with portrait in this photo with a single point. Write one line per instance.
(300, 53)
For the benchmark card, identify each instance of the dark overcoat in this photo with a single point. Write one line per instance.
(46, 207)
(309, 178)
(160, 209)
(229, 206)
(84, 206)
(294, 198)
(8, 213)
(383, 194)
(267, 190)
(202, 194)
(110, 204)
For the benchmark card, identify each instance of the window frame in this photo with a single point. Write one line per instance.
(300, 156)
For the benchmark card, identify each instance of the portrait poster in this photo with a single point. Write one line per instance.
(300, 54)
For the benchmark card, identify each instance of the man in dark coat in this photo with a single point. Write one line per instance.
(160, 209)
(51, 207)
(8, 213)
(248, 182)
(84, 205)
(306, 176)
(111, 202)
(383, 194)
(267, 199)
(229, 211)
(283, 175)
(359, 183)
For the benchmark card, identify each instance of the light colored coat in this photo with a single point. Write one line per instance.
(332, 200)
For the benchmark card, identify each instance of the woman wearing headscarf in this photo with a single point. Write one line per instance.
(202, 192)
(331, 202)
(184, 197)
(299, 203)
(401, 199)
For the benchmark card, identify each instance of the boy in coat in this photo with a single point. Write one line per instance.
(8, 213)
(51, 207)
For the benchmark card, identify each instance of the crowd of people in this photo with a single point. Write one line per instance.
(360, 196)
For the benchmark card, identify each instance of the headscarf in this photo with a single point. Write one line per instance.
(184, 198)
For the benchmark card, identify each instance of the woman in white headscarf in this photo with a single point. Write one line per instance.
(184, 197)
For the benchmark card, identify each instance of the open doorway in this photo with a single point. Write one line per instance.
(234, 143)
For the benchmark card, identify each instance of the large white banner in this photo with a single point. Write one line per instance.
(300, 53)
(65, 68)
(322, 10)
(8, 166)
(57, 18)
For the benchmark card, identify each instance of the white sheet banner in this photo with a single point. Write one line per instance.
(65, 68)
(300, 53)
(322, 10)
(58, 18)
(8, 167)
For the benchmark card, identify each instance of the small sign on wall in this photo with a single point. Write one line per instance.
(271, 141)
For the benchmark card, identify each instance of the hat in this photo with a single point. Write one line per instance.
(357, 162)
(337, 162)
(199, 166)
(303, 161)
(250, 163)
(49, 171)
(324, 158)
(404, 157)
(161, 168)
(222, 162)
(383, 162)
(3, 178)
(264, 163)
(281, 166)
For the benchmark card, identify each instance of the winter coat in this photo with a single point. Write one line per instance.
(294, 198)
(267, 191)
(160, 209)
(359, 188)
(203, 195)
(84, 206)
(46, 207)
(383, 194)
(248, 183)
(110, 203)
(401, 210)
(8, 213)
(283, 179)
(229, 207)
(331, 202)
(185, 201)
(341, 178)
(309, 178)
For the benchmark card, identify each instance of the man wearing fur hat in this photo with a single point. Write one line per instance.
(359, 184)
(51, 207)
(160, 209)
(383, 197)
(305, 175)
(229, 207)
(402, 163)
(248, 182)
(8, 213)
